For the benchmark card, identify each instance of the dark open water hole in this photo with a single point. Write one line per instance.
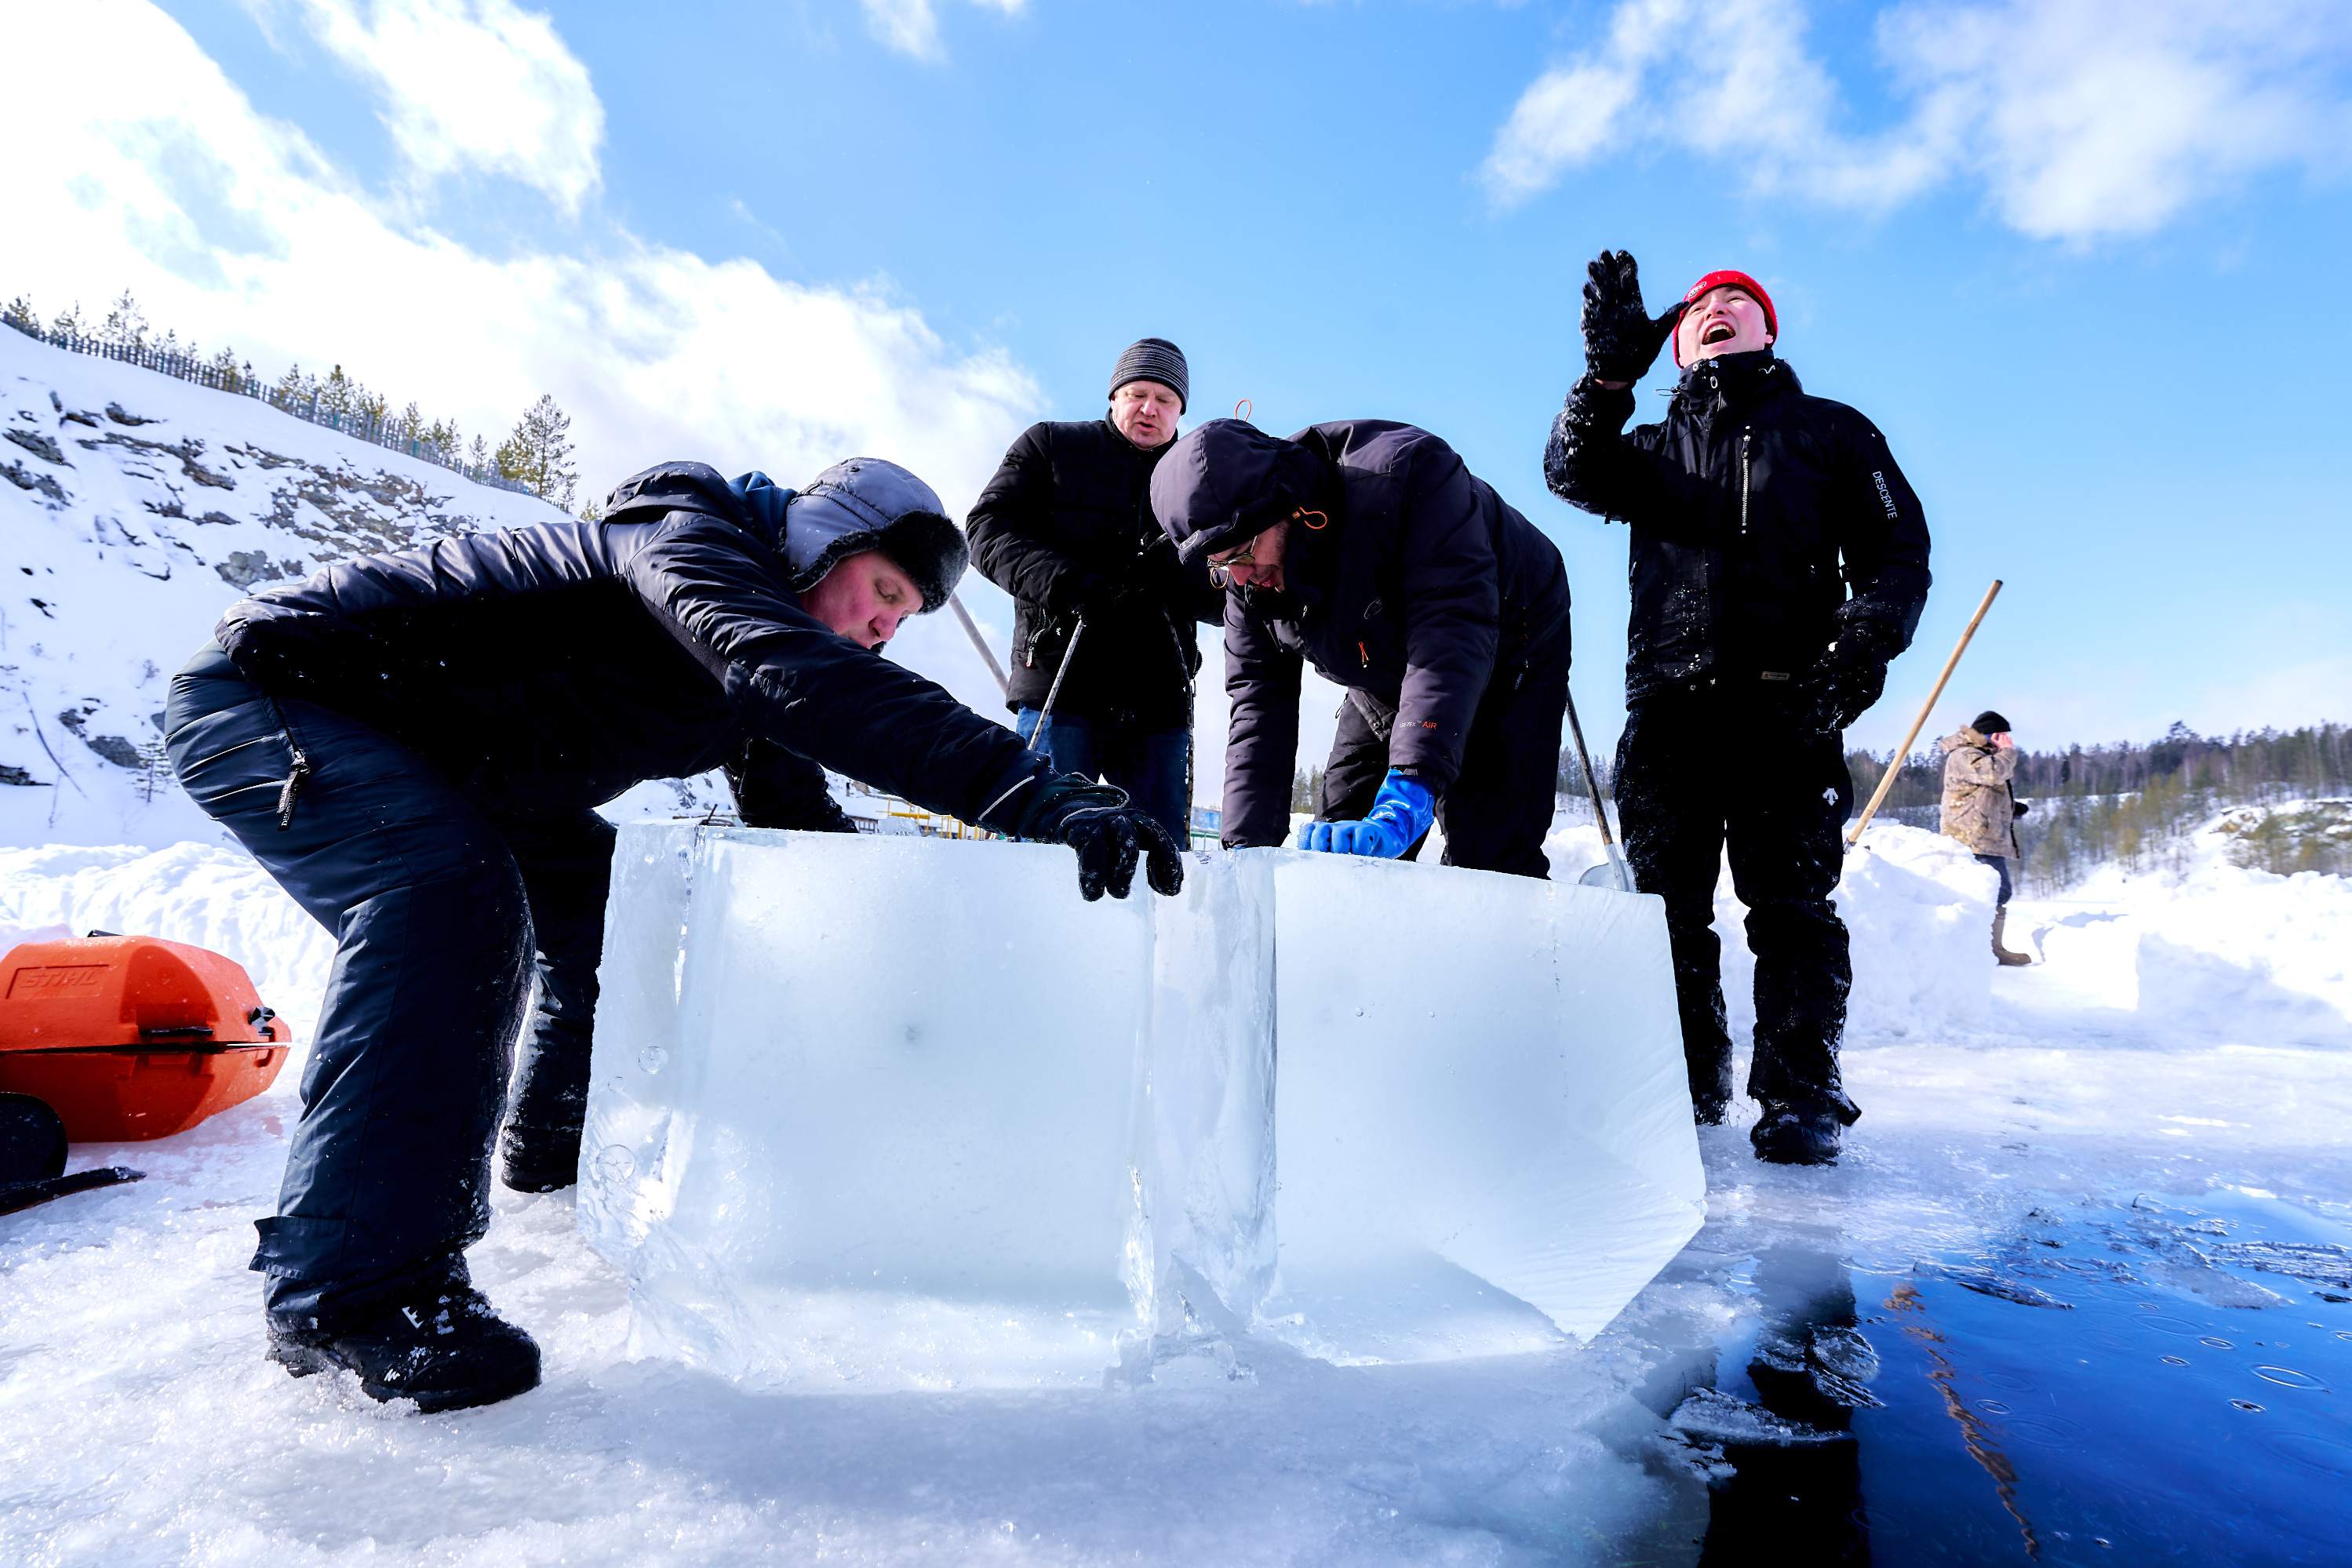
(2133, 1381)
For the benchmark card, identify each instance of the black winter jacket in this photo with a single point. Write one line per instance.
(1755, 509)
(549, 668)
(1422, 588)
(1066, 520)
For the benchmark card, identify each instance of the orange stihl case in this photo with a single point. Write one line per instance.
(129, 1038)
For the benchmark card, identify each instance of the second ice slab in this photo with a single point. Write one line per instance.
(1481, 1108)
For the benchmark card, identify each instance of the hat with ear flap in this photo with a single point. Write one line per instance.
(1739, 280)
(858, 505)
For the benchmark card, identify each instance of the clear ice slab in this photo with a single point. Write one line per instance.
(1481, 1116)
(903, 1113)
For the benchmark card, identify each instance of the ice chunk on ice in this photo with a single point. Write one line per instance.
(873, 1118)
(1481, 1082)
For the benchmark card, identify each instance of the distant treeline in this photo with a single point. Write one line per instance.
(2134, 805)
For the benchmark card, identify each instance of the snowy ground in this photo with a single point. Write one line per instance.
(2184, 1049)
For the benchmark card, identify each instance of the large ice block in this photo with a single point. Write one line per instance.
(908, 1113)
(1481, 1107)
(867, 1109)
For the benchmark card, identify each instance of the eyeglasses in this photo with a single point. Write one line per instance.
(1221, 562)
(1244, 554)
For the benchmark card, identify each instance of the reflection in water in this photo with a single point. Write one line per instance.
(1795, 1493)
(1981, 1448)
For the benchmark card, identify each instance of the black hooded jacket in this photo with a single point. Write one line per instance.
(1422, 589)
(1067, 521)
(548, 668)
(1756, 509)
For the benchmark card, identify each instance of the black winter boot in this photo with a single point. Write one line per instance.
(538, 1159)
(1800, 1133)
(444, 1347)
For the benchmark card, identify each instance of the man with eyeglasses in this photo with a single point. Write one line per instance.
(1367, 548)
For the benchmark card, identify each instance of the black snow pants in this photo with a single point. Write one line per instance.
(439, 916)
(1499, 807)
(1697, 770)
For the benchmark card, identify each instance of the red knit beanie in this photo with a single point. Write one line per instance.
(1738, 280)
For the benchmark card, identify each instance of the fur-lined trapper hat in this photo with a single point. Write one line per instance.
(856, 506)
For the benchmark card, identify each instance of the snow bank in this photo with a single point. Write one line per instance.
(908, 1114)
(2248, 954)
(136, 508)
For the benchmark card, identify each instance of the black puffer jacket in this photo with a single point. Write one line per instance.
(1066, 521)
(1755, 509)
(548, 668)
(1423, 588)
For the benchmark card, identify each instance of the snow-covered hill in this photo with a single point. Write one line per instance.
(136, 509)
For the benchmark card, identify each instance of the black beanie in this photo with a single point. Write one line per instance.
(1153, 359)
(1989, 723)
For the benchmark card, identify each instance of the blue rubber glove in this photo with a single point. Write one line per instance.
(1401, 813)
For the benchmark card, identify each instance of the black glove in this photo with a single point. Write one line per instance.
(1620, 339)
(1108, 834)
(1845, 681)
(2018, 808)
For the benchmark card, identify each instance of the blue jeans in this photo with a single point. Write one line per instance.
(1154, 770)
(2001, 864)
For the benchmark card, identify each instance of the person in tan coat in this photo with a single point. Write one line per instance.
(1981, 811)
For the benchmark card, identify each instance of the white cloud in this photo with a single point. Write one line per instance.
(469, 84)
(912, 26)
(159, 175)
(2081, 119)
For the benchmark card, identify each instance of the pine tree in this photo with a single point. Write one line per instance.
(336, 394)
(225, 368)
(125, 324)
(478, 456)
(70, 325)
(539, 453)
(19, 315)
(290, 389)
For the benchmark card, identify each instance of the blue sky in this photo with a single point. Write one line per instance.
(2072, 256)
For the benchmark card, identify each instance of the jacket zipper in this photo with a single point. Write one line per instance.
(1743, 484)
(296, 776)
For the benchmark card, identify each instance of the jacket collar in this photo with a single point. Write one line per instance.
(1732, 382)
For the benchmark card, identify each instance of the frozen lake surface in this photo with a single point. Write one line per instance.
(2085, 1253)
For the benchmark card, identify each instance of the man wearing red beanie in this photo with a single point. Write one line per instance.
(1780, 560)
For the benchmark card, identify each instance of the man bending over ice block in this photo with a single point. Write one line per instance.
(415, 743)
(1369, 550)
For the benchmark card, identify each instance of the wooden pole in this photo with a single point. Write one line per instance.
(1903, 751)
